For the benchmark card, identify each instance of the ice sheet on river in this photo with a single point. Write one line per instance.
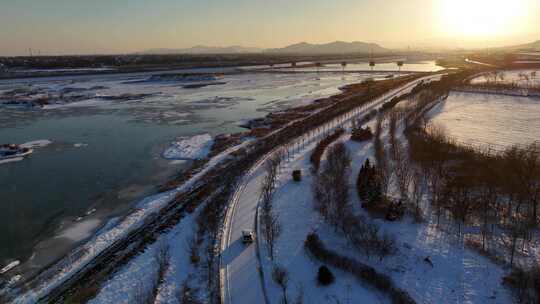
(497, 121)
(36, 143)
(195, 147)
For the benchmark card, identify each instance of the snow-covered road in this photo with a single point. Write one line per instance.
(240, 270)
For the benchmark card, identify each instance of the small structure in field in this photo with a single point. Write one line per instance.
(361, 134)
(297, 175)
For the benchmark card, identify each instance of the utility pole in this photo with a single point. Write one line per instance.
(371, 61)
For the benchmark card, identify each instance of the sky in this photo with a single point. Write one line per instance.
(126, 26)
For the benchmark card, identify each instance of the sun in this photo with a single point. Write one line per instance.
(480, 18)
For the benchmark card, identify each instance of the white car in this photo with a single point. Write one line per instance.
(247, 236)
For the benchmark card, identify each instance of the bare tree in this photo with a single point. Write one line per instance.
(193, 251)
(145, 292)
(270, 222)
(418, 185)
(331, 186)
(281, 277)
(366, 237)
(403, 171)
(270, 180)
(163, 258)
(383, 166)
(517, 228)
(187, 293)
(458, 197)
(272, 231)
(522, 169)
(392, 129)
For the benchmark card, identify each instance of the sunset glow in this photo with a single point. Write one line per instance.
(482, 18)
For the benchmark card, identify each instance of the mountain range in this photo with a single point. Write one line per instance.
(533, 46)
(201, 49)
(337, 47)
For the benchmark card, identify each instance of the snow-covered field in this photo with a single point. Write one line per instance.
(484, 119)
(459, 275)
(123, 287)
(293, 204)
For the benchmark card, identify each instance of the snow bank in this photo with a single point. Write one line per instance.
(94, 247)
(141, 270)
(196, 147)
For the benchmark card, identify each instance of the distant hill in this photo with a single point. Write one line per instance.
(201, 49)
(338, 47)
(533, 46)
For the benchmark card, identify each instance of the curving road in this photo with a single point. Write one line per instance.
(240, 272)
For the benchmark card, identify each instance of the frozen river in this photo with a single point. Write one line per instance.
(489, 120)
(108, 142)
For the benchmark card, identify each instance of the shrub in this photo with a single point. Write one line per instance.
(368, 184)
(323, 144)
(163, 258)
(297, 175)
(368, 274)
(187, 293)
(325, 276)
(281, 277)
